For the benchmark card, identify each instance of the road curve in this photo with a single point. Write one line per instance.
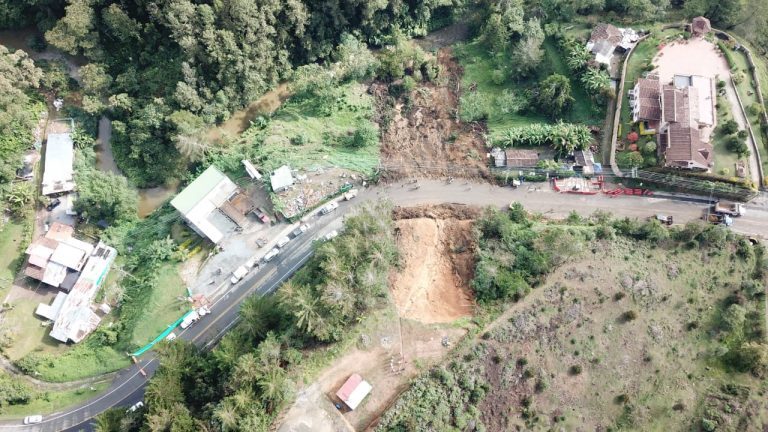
(128, 386)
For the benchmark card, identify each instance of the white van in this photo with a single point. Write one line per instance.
(190, 319)
(238, 274)
(271, 254)
(283, 241)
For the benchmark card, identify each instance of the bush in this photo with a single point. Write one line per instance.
(575, 370)
(708, 425)
(729, 127)
(364, 136)
(629, 316)
(650, 148)
(498, 77)
(474, 106)
(755, 109)
(629, 159)
(742, 134)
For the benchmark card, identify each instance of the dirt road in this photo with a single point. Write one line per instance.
(557, 205)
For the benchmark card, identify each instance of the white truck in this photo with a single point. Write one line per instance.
(190, 319)
(271, 254)
(350, 194)
(729, 208)
(238, 274)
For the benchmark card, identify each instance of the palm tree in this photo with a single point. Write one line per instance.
(109, 420)
(273, 385)
(226, 414)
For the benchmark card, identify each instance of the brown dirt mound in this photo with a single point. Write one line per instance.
(439, 257)
(423, 136)
(440, 211)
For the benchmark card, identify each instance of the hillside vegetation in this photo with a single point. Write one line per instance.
(638, 328)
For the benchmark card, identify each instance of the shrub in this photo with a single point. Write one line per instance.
(708, 425)
(729, 127)
(650, 147)
(409, 84)
(498, 77)
(742, 134)
(629, 316)
(364, 136)
(575, 370)
(755, 109)
(474, 106)
(633, 137)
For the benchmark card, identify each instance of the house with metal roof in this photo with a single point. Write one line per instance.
(202, 201)
(73, 314)
(57, 258)
(353, 391)
(58, 171)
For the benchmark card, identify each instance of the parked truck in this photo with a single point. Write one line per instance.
(350, 194)
(719, 219)
(664, 219)
(190, 319)
(729, 208)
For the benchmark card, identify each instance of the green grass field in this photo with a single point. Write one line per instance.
(163, 307)
(11, 236)
(84, 360)
(479, 65)
(49, 402)
(30, 334)
(301, 135)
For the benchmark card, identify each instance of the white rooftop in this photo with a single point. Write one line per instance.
(59, 156)
(281, 178)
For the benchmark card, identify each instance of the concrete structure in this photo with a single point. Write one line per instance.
(253, 173)
(58, 171)
(57, 258)
(73, 314)
(200, 203)
(281, 179)
(354, 390)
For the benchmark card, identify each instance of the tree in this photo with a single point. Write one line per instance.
(527, 52)
(629, 159)
(729, 127)
(734, 317)
(74, 33)
(17, 74)
(504, 23)
(105, 196)
(596, 82)
(554, 95)
(474, 106)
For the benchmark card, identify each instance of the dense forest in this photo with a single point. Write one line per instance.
(165, 70)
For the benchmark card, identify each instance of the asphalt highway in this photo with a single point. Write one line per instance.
(128, 386)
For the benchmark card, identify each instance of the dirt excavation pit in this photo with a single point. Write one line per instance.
(437, 250)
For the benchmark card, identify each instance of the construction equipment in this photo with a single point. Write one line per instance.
(729, 208)
(719, 219)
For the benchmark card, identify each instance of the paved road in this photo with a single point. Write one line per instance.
(128, 386)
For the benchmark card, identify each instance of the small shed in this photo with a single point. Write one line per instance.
(700, 26)
(522, 158)
(253, 173)
(281, 179)
(354, 390)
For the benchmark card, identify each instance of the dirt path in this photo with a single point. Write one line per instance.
(105, 160)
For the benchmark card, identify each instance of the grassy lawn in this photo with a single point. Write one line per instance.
(80, 361)
(301, 135)
(49, 402)
(479, 65)
(163, 307)
(11, 236)
(30, 334)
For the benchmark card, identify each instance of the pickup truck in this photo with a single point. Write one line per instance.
(719, 219)
(665, 220)
(729, 208)
(262, 215)
(350, 194)
(238, 274)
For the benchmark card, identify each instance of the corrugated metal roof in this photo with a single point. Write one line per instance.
(281, 178)
(198, 190)
(59, 156)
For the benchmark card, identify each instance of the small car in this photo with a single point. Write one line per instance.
(238, 274)
(135, 406)
(33, 419)
(283, 241)
(53, 204)
(171, 337)
(331, 206)
(300, 230)
(331, 235)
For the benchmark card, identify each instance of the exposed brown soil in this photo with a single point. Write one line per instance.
(424, 137)
(437, 247)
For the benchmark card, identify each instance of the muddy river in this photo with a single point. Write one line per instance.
(241, 120)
